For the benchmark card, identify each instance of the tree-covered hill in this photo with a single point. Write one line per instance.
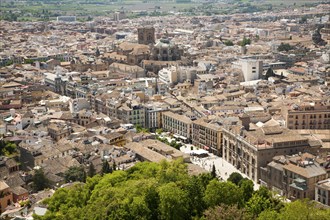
(166, 191)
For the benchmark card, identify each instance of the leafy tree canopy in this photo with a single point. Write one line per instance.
(40, 181)
(165, 191)
(235, 178)
(7, 148)
(75, 173)
(229, 43)
(285, 47)
(245, 41)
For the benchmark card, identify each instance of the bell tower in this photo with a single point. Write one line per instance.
(146, 35)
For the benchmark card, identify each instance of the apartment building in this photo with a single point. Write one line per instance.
(83, 117)
(248, 149)
(207, 135)
(271, 176)
(58, 131)
(179, 125)
(153, 113)
(293, 176)
(132, 112)
(310, 114)
(75, 105)
(251, 68)
(301, 175)
(322, 192)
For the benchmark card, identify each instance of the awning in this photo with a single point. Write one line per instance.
(183, 138)
(197, 152)
(10, 118)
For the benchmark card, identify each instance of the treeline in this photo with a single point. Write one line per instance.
(166, 191)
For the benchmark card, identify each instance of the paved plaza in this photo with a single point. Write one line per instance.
(223, 168)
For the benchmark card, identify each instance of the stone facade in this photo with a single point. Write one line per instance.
(248, 149)
(207, 136)
(313, 114)
(146, 35)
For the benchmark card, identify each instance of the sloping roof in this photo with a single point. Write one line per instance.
(307, 172)
(3, 185)
(14, 180)
(272, 130)
(272, 122)
(19, 190)
(145, 153)
(11, 162)
(135, 48)
(11, 84)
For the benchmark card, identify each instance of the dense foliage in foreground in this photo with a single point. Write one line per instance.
(166, 191)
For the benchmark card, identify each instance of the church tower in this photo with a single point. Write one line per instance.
(146, 35)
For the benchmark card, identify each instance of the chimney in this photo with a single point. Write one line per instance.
(245, 120)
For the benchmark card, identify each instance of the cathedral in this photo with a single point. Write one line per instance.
(163, 49)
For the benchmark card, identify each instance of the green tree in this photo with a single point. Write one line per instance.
(204, 179)
(269, 214)
(228, 43)
(235, 178)
(106, 167)
(213, 172)
(9, 62)
(140, 129)
(165, 191)
(245, 41)
(97, 53)
(143, 170)
(175, 144)
(40, 181)
(152, 200)
(91, 170)
(257, 204)
(303, 20)
(159, 131)
(172, 172)
(285, 47)
(246, 187)
(269, 73)
(195, 192)
(75, 173)
(303, 210)
(217, 193)
(7, 148)
(262, 200)
(264, 192)
(28, 61)
(173, 202)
